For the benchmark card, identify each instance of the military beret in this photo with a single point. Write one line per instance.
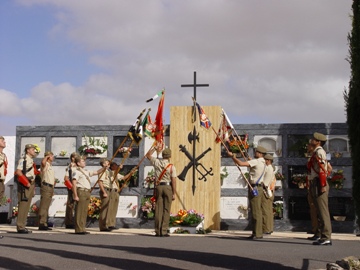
(48, 153)
(166, 153)
(319, 137)
(29, 145)
(269, 157)
(261, 149)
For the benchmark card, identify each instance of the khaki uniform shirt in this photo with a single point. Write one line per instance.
(29, 164)
(106, 179)
(3, 163)
(159, 166)
(48, 174)
(257, 170)
(315, 168)
(268, 175)
(82, 177)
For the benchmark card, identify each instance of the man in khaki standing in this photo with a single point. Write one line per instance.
(47, 189)
(3, 168)
(165, 187)
(25, 173)
(319, 189)
(267, 202)
(257, 169)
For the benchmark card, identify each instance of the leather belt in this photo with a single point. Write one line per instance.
(83, 189)
(47, 184)
(256, 185)
(164, 184)
(111, 189)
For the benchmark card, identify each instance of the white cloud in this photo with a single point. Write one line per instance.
(265, 61)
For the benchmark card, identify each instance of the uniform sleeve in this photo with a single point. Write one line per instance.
(173, 171)
(20, 164)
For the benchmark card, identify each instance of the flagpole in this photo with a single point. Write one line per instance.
(116, 152)
(237, 165)
(233, 129)
(134, 169)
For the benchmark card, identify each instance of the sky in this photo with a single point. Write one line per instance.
(92, 62)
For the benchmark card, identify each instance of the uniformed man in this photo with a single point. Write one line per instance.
(267, 202)
(106, 187)
(165, 189)
(69, 211)
(3, 168)
(114, 200)
(25, 173)
(81, 192)
(312, 208)
(47, 189)
(257, 169)
(114, 197)
(319, 189)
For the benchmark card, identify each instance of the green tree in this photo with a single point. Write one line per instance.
(352, 103)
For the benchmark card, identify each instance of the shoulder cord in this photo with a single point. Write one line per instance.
(162, 174)
(87, 177)
(318, 161)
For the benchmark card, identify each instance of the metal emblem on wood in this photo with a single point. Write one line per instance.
(194, 161)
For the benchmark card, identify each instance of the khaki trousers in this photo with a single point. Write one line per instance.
(268, 214)
(46, 193)
(321, 202)
(81, 210)
(114, 203)
(104, 218)
(69, 212)
(162, 209)
(2, 188)
(24, 206)
(313, 215)
(257, 217)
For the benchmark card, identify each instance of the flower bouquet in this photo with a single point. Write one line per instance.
(150, 179)
(299, 179)
(240, 144)
(4, 200)
(37, 149)
(224, 174)
(278, 208)
(126, 151)
(337, 179)
(93, 146)
(14, 212)
(94, 208)
(186, 218)
(34, 209)
(279, 176)
(147, 207)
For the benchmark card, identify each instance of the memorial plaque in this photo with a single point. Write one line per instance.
(273, 143)
(128, 207)
(58, 206)
(234, 178)
(62, 147)
(39, 141)
(234, 208)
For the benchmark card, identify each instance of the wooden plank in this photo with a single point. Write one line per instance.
(206, 199)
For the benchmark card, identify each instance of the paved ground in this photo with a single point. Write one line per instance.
(139, 249)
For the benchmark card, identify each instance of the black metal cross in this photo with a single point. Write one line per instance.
(194, 85)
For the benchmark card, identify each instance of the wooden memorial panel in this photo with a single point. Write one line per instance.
(206, 197)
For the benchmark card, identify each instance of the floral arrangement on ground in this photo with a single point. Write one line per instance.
(94, 208)
(147, 207)
(186, 218)
(337, 179)
(93, 146)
